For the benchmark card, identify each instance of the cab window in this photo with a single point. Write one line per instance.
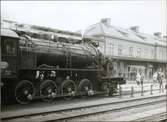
(10, 46)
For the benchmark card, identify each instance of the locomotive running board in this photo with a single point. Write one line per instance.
(61, 69)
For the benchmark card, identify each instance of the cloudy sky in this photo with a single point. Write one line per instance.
(149, 15)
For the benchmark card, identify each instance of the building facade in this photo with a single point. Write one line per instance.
(133, 51)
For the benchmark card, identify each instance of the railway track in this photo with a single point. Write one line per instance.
(77, 112)
(161, 117)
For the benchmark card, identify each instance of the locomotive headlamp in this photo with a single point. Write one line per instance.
(52, 37)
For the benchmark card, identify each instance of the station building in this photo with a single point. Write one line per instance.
(132, 50)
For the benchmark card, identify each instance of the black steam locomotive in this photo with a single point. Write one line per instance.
(38, 64)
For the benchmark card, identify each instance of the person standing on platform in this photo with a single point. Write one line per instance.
(138, 78)
(155, 77)
(159, 78)
(141, 78)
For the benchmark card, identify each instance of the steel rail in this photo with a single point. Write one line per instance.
(161, 117)
(65, 114)
(114, 112)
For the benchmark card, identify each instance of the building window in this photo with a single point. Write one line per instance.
(152, 53)
(145, 54)
(163, 56)
(111, 48)
(130, 51)
(119, 49)
(160, 53)
(139, 52)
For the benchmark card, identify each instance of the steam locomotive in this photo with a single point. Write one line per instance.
(40, 65)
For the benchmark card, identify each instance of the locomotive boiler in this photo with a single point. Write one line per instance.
(38, 64)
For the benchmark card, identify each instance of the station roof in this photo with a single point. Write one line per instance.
(102, 29)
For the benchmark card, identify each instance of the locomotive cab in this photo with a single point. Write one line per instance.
(9, 47)
(9, 53)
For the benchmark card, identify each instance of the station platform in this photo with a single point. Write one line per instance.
(146, 86)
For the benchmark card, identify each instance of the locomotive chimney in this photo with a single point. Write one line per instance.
(157, 34)
(135, 28)
(106, 21)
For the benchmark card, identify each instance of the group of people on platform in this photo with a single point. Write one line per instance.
(158, 77)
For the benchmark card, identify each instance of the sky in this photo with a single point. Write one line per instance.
(149, 15)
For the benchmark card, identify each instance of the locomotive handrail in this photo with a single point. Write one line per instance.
(40, 43)
(62, 69)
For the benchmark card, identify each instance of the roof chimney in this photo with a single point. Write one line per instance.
(157, 34)
(135, 28)
(165, 37)
(106, 21)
